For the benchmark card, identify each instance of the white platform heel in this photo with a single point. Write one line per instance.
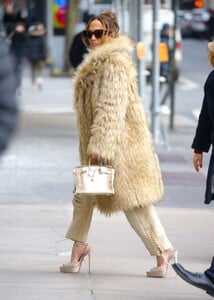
(74, 267)
(161, 271)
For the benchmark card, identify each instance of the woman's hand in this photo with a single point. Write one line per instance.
(197, 161)
(94, 158)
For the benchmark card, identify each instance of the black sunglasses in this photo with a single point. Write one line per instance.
(97, 33)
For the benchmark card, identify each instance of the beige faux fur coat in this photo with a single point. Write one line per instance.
(112, 124)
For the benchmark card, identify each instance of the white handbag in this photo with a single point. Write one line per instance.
(94, 180)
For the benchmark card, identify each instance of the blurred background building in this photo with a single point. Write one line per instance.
(193, 16)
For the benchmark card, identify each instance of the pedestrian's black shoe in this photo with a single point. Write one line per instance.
(199, 280)
(211, 293)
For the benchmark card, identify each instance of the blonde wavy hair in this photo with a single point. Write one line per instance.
(211, 53)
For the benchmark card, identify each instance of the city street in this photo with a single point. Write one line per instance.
(36, 185)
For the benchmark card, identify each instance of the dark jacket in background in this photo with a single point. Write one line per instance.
(10, 21)
(204, 136)
(211, 28)
(8, 103)
(77, 50)
(36, 45)
(18, 45)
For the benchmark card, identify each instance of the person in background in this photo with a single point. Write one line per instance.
(166, 37)
(78, 48)
(77, 51)
(18, 50)
(10, 18)
(113, 130)
(165, 67)
(37, 53)
(203, 140)
(8, 101)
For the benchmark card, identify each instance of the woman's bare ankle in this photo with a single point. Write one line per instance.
(166, 255)
(77, 250)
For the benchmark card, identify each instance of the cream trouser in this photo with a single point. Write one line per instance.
(144, 221)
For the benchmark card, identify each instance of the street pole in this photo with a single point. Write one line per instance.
(136, 32)
(49, 27)
(117, 7)
(141, 62)
(172, 80)
(1, 21)
(155, 73)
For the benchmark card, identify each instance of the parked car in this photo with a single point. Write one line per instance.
(200, 23)
(185, 20)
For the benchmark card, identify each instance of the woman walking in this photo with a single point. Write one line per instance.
(37, 53)
(18, 52)
(112, 129)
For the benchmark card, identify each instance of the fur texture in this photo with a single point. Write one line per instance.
(112, 124)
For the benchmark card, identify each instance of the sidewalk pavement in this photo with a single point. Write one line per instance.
(36, 193)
